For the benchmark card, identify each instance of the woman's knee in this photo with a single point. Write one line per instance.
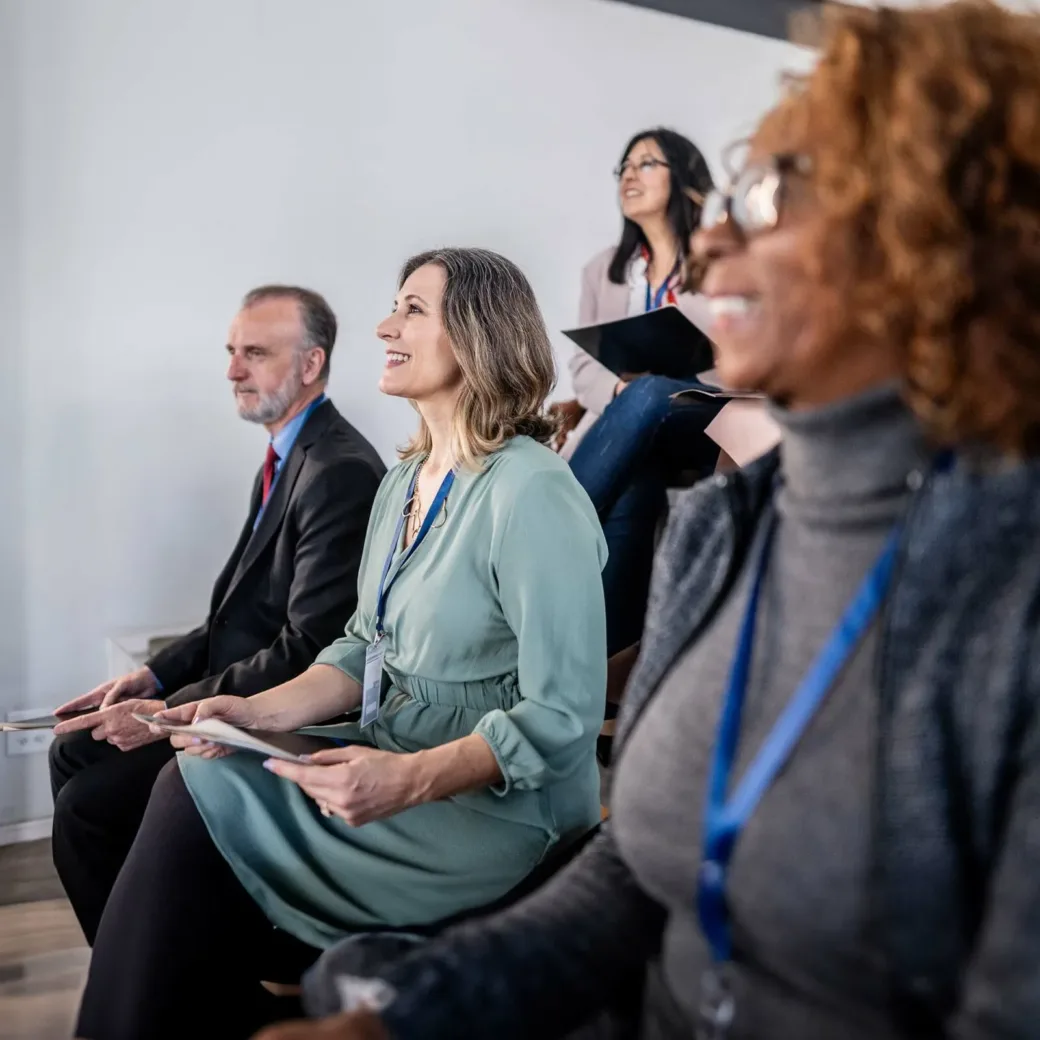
(647, 396)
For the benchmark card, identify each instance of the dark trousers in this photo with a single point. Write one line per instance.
(626, 461)
(100, 795)
(182, 948)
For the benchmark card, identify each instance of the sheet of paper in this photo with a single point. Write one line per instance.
(270, 745)
(717, 393)
(744, 430)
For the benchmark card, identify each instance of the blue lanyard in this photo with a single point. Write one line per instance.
(654, 300)
(724, 820)
(431, 515)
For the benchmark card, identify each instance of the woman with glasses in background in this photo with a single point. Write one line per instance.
(633, 439)
(826, 798)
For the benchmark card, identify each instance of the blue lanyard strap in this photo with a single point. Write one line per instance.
(655, 300)
(724, 820)
(431, 515)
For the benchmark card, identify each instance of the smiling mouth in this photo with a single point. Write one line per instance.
(632, 193)
(731, 306)
(731, 312)
(394, 358)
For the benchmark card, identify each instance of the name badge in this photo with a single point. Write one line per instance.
(372, 687)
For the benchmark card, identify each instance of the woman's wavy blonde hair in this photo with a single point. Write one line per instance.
(500, 341)
(924, 132)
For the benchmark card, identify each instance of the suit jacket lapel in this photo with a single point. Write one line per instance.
(281, 494)
(223, 582)
(697, 563)
(273, 515)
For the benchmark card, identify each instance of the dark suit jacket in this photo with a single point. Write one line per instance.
(290, 587)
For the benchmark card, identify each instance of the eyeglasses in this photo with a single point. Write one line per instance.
(754, 196)
(643, 167)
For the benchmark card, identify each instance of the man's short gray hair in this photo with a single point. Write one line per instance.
(316, 316)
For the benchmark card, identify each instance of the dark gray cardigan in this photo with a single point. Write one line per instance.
(958, 814)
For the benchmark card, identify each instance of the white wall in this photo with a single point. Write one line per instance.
(16, 800)
(175, 152)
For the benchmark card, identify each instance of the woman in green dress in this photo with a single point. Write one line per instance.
(477, 655)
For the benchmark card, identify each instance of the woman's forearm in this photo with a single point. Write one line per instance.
(466, 764)
(319, 694)
(579, 943)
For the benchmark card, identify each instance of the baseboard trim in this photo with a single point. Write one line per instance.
(29, 830)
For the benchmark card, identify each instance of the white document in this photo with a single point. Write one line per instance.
(289, 747)
(744, 430)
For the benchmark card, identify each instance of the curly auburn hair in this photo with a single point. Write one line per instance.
(925, 140)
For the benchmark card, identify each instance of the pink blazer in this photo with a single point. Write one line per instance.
(603, 300)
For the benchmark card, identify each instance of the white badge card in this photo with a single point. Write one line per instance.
(372, 687)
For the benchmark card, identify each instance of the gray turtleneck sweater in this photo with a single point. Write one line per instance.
(806, 964)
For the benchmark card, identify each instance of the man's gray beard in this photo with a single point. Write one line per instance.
(270, 408)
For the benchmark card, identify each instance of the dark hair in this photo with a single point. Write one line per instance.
(688, 171)
(316, 316)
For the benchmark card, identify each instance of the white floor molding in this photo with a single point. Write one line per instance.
(30, 830)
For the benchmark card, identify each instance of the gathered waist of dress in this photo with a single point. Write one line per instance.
(500, 691)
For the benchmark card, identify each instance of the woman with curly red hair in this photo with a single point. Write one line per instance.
(826, 809)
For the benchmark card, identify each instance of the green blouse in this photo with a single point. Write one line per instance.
(495, 625)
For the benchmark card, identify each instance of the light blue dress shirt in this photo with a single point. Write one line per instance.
(283, 442)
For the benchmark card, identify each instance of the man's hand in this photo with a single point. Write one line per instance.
(116, 724)
(357, 1025)
(134, 684)
(357, 784)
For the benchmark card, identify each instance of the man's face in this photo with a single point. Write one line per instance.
(265, 364)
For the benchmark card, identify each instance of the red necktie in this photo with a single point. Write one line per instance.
(270, 461)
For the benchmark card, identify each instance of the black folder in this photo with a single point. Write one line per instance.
(663, 343)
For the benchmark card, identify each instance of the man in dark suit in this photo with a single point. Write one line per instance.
(287, 591)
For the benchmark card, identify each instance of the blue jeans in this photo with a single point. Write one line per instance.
(625, 463)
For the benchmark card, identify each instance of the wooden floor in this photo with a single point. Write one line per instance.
(27, 874)
(43, 958)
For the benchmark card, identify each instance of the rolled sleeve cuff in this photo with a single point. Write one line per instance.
(523, 768)
(347, 656)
